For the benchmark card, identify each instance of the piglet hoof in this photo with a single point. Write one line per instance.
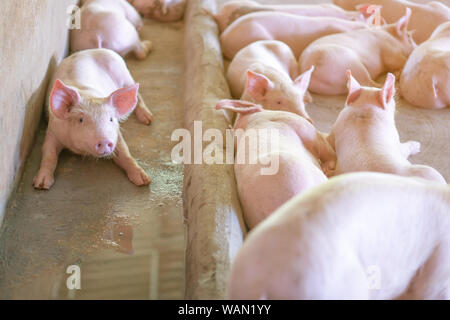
(144, 49)
(144, 115)
(329, 168)
(308, 97)
(148, 45)
(43, 180)
(139, 177)
(329, 173)
(397, 74)
(413, 147)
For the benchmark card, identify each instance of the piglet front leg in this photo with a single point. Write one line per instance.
(124, 160)
(50, 152)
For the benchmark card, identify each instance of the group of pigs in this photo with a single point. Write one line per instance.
(381, 233)
(312, 238)
(92, 90)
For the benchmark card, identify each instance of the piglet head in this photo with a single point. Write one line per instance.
(91, 123)
(284, 95)
(400, 31)
(359, 96)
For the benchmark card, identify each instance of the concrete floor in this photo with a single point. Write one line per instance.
(128, 241)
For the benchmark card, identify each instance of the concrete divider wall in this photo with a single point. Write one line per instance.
(215, 228)
(33, 39)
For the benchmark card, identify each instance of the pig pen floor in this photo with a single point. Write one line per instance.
(128, 241)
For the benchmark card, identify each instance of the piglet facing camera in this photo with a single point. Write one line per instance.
(92, 124)
(91, 93)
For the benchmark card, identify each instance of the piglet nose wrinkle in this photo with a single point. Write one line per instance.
(104, 147)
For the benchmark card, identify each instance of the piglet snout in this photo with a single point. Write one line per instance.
(104, 148)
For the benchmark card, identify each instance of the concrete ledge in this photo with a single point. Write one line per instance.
(215, 228)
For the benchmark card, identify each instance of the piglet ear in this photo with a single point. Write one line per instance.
(402, 24)
(258, 85)
(372, 14)
(354, 88)
(367, 10)
(302, 81)
(124, 100)
(239, 106)
(62, 98)
(388, 91)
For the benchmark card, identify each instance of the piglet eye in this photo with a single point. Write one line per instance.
(81, 120)
(111, 119)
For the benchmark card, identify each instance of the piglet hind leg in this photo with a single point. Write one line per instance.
(133, 16)
(124, 160)
(44, 179)
(425, 172)
(143, 114)
(432, 280)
